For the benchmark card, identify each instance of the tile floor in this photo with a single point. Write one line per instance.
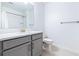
(54, 50)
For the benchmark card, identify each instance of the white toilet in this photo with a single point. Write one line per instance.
(47, 44)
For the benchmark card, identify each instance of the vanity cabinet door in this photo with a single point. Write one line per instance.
(37, 47)
(16, 41)
(0, 48)
(23, 50)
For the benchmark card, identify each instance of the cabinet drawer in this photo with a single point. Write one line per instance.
(19, 51)
(36, 36)
(15, 42)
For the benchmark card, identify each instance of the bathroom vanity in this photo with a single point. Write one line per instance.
(21, 44)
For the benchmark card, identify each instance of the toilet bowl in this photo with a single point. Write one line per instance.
(47, 44)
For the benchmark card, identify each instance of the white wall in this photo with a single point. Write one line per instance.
(66, 35)
(39, 16)
(30, 16)
(0, 15)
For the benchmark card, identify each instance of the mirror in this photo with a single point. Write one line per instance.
(16, 15)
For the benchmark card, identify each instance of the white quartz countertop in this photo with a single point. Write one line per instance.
(7, 36)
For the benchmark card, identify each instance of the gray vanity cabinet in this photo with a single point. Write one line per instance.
(20, 46)
(37, 47)
(30, 45)
(37, 42)
(23, 50)
(15, 42)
